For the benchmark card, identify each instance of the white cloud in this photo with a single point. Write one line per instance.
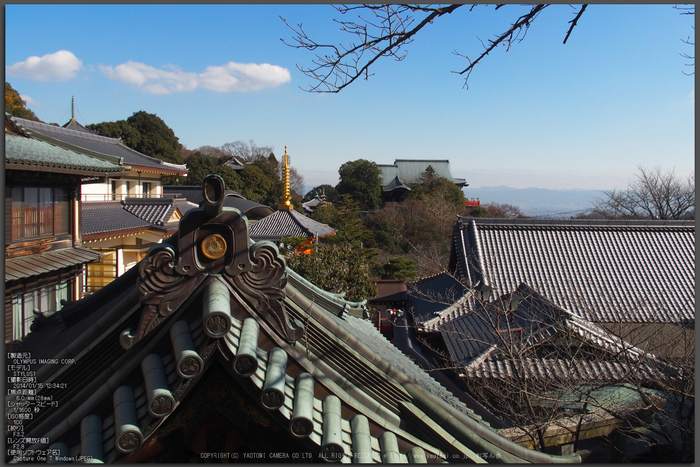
(150, 79)
(29, 100)
(58, 66)
(232, 77)
(244, 77)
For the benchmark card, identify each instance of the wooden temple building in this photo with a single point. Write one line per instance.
(211, 350)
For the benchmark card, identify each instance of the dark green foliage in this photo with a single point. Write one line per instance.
(120, 129)
(362, 180)
(16, 106)
(344, 217)
(157, 139)
(331, 193)
(431, 185)
(260, 183)
(343, 267)
(145, 133)
(200, 166)
(398, 268)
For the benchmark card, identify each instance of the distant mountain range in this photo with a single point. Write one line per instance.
(537, 201)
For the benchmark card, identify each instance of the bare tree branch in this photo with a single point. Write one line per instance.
(385, 33)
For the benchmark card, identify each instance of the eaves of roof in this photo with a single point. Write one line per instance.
(22, 153)
(102, 145)
(288, 223)
(23, 267)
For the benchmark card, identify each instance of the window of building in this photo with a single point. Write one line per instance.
(146, 189)
(39, 212)
(113, 189)
(102, 273)
(35, 299)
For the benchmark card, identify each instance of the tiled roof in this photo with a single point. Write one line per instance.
(288, 223)
(130, 214)
(35, 155)
(475, 339)
(100, 144)
(337, 386)
(559, 369)
(193, 194)
(102, 218)
(433, 295)
(406, 171)
(604, 272)
(34, 265)
(74, 125)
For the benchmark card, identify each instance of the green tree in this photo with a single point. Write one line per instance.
(157, 139)
(344, 217)
(120, 129)
(260, 183)
(430, 185)
(398, 268)
(199, 166)
(16, 106)
(362, 180)
(145, 133)
(343, 267)
(330, 192)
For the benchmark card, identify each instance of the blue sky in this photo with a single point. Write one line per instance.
(544, 114)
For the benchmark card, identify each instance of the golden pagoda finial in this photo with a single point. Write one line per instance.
(286, 197)
(72, 107)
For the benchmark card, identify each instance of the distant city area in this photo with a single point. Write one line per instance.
(537, 202)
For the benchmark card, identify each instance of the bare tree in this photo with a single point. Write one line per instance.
(384, 31)
(296, 182)
(248, 152)
(554, 376)
(688, 10)
(653, 195)
(210, 151)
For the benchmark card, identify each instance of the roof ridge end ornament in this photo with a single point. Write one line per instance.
(212, 240)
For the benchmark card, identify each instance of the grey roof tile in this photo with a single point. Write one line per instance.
(433, 295)
(288, 223)
(32, 265)
(100, 144)
(33, 154)
(605, 272)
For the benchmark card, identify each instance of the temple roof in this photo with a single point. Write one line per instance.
(127, 357)
(23, 153)
(130, 214)
(603, 271)
(288, 223)
(404, 172)
(99, 144)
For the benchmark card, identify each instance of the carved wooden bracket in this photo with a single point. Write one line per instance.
(212, 239)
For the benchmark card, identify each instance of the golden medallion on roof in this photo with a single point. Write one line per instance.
(214, 246)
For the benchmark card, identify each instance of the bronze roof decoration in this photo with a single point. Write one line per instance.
(212, 329)
(211, 240)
